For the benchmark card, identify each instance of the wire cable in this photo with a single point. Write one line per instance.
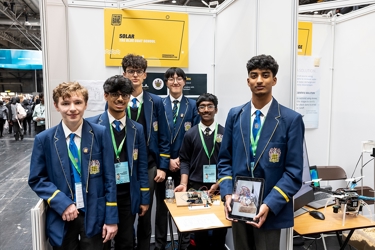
(347, 185)
(368, 162)
(356, 165)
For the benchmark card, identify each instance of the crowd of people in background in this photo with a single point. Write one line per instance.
(11, 122)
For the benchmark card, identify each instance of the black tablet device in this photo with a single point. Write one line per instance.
(246, 198)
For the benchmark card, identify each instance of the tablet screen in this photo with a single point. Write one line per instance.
(246, 198)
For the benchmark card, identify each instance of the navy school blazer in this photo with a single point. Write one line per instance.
(50, 178)
(187, 117)
(278, 158)
(137, 157)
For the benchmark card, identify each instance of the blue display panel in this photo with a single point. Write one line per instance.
(20, 59)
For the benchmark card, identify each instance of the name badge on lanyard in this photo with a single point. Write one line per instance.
(209, 173)
(121, 168)
(79, 196)
(122, 172)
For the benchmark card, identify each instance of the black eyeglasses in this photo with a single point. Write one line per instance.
(115, 95)
(178, 79)
(209, 107)
(132, 71)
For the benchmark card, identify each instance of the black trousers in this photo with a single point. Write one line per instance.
(2, 121)
(39, 129)
(161, 228)
(17, 129)
(210, 239)
(144, 222)
(10, 127)
(27, 123)
(247, 237)
(76, 239)
(124, 239)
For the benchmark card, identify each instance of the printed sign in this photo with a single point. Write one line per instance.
(160, 37)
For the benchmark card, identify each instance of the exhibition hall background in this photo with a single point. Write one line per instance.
(219, 45)
(221, 42)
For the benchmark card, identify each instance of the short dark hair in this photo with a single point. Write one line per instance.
(171, 71)
(41, 95)
(134, 61)
(118, 83)
(207, 97)
(262, 62)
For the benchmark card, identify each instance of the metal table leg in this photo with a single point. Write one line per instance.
(347, 240)
(171, 229)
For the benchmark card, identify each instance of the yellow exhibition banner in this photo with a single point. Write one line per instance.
(304, 38)
(160, 37)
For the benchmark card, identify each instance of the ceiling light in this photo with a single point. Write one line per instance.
(173, 1)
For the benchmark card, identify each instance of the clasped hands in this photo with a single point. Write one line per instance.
(109, 231)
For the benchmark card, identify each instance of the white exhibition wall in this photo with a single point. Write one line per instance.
(353, 115)
(55, 51)
(277, 36)
(234, 45)
(345, 47)
(243, 31)
(318, 140)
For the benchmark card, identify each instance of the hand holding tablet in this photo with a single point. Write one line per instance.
(247, 199)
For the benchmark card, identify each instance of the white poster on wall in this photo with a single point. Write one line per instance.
(96, 94)
(308, 90)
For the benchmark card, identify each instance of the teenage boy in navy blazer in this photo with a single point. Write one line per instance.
(71, 169)
(262, 139)
(129, 148)
(148, 110)
(180, 115)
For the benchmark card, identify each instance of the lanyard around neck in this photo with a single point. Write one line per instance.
(204, 143)
(138, 113)
(117, 150)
